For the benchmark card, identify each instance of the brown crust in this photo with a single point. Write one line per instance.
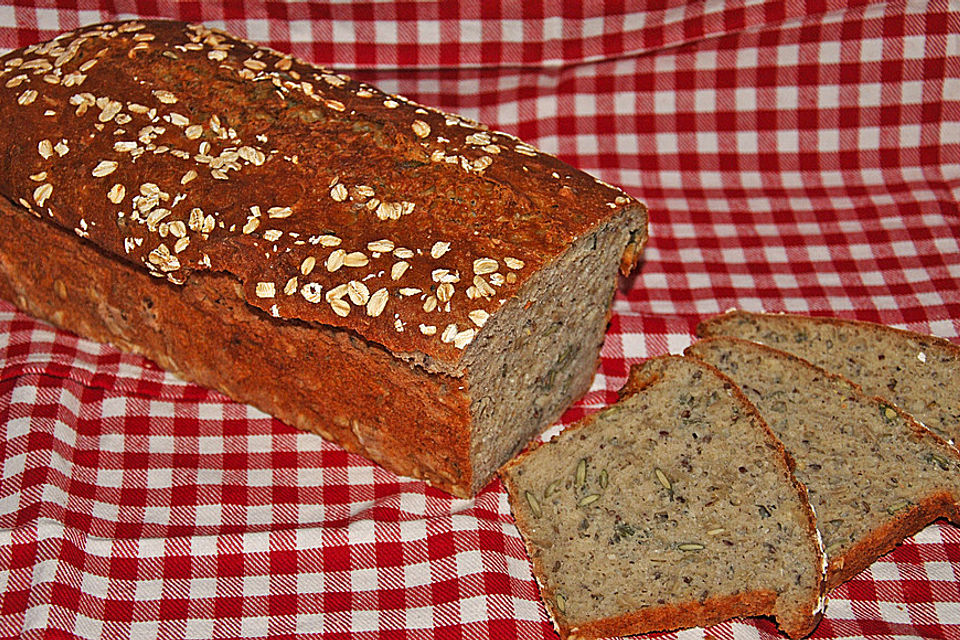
(898, 528)
(676, 616)
(704, 326)
(262, 162)
(887, 537)
(680, 615)
(426, 436)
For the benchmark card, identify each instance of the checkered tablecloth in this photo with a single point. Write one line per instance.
(794, 156)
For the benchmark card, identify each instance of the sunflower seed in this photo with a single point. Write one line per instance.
(662, 479)
(897, 506)
(588, 499)
(581, 476)
(561, 603)
(534, 504)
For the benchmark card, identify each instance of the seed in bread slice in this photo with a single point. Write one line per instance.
(874, 474)
(673, 508)
(918, 373)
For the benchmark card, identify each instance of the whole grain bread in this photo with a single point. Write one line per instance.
(918, 373)
(673, 508)
(406, 282)
(875, 475)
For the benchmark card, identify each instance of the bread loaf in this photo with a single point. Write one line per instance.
(405, 282)
(875, 476)
(918, 373)
(673, 508)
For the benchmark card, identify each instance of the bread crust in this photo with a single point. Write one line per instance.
(85, 291)
(795, 624)
(705, 328)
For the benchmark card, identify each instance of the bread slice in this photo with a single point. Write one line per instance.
(918, 373)
(874, 474)
(673, 508)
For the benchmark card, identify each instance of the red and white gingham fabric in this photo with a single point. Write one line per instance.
(795, 156)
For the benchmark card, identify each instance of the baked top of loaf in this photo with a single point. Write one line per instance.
(918, 373)
(874, 475)
(179, 148)
(674, 507)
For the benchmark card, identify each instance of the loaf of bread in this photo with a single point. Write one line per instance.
(405, 282)
(918, 373)
(673, 508)
(875, 476)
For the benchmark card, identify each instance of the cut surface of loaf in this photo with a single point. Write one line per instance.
(874, 475)
(918, 373)
(673, 508)
(183, 165)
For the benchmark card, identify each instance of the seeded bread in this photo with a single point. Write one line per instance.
(405, 282)
(875, 475)
(673, 508)
(918, 373)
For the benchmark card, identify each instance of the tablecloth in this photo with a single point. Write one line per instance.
(794, 156)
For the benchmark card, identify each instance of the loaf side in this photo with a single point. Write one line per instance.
(324, 380)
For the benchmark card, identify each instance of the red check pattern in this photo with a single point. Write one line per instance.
(795, 156)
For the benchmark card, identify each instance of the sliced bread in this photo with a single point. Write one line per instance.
(673, 508)
(918, 373)
(875, 475)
